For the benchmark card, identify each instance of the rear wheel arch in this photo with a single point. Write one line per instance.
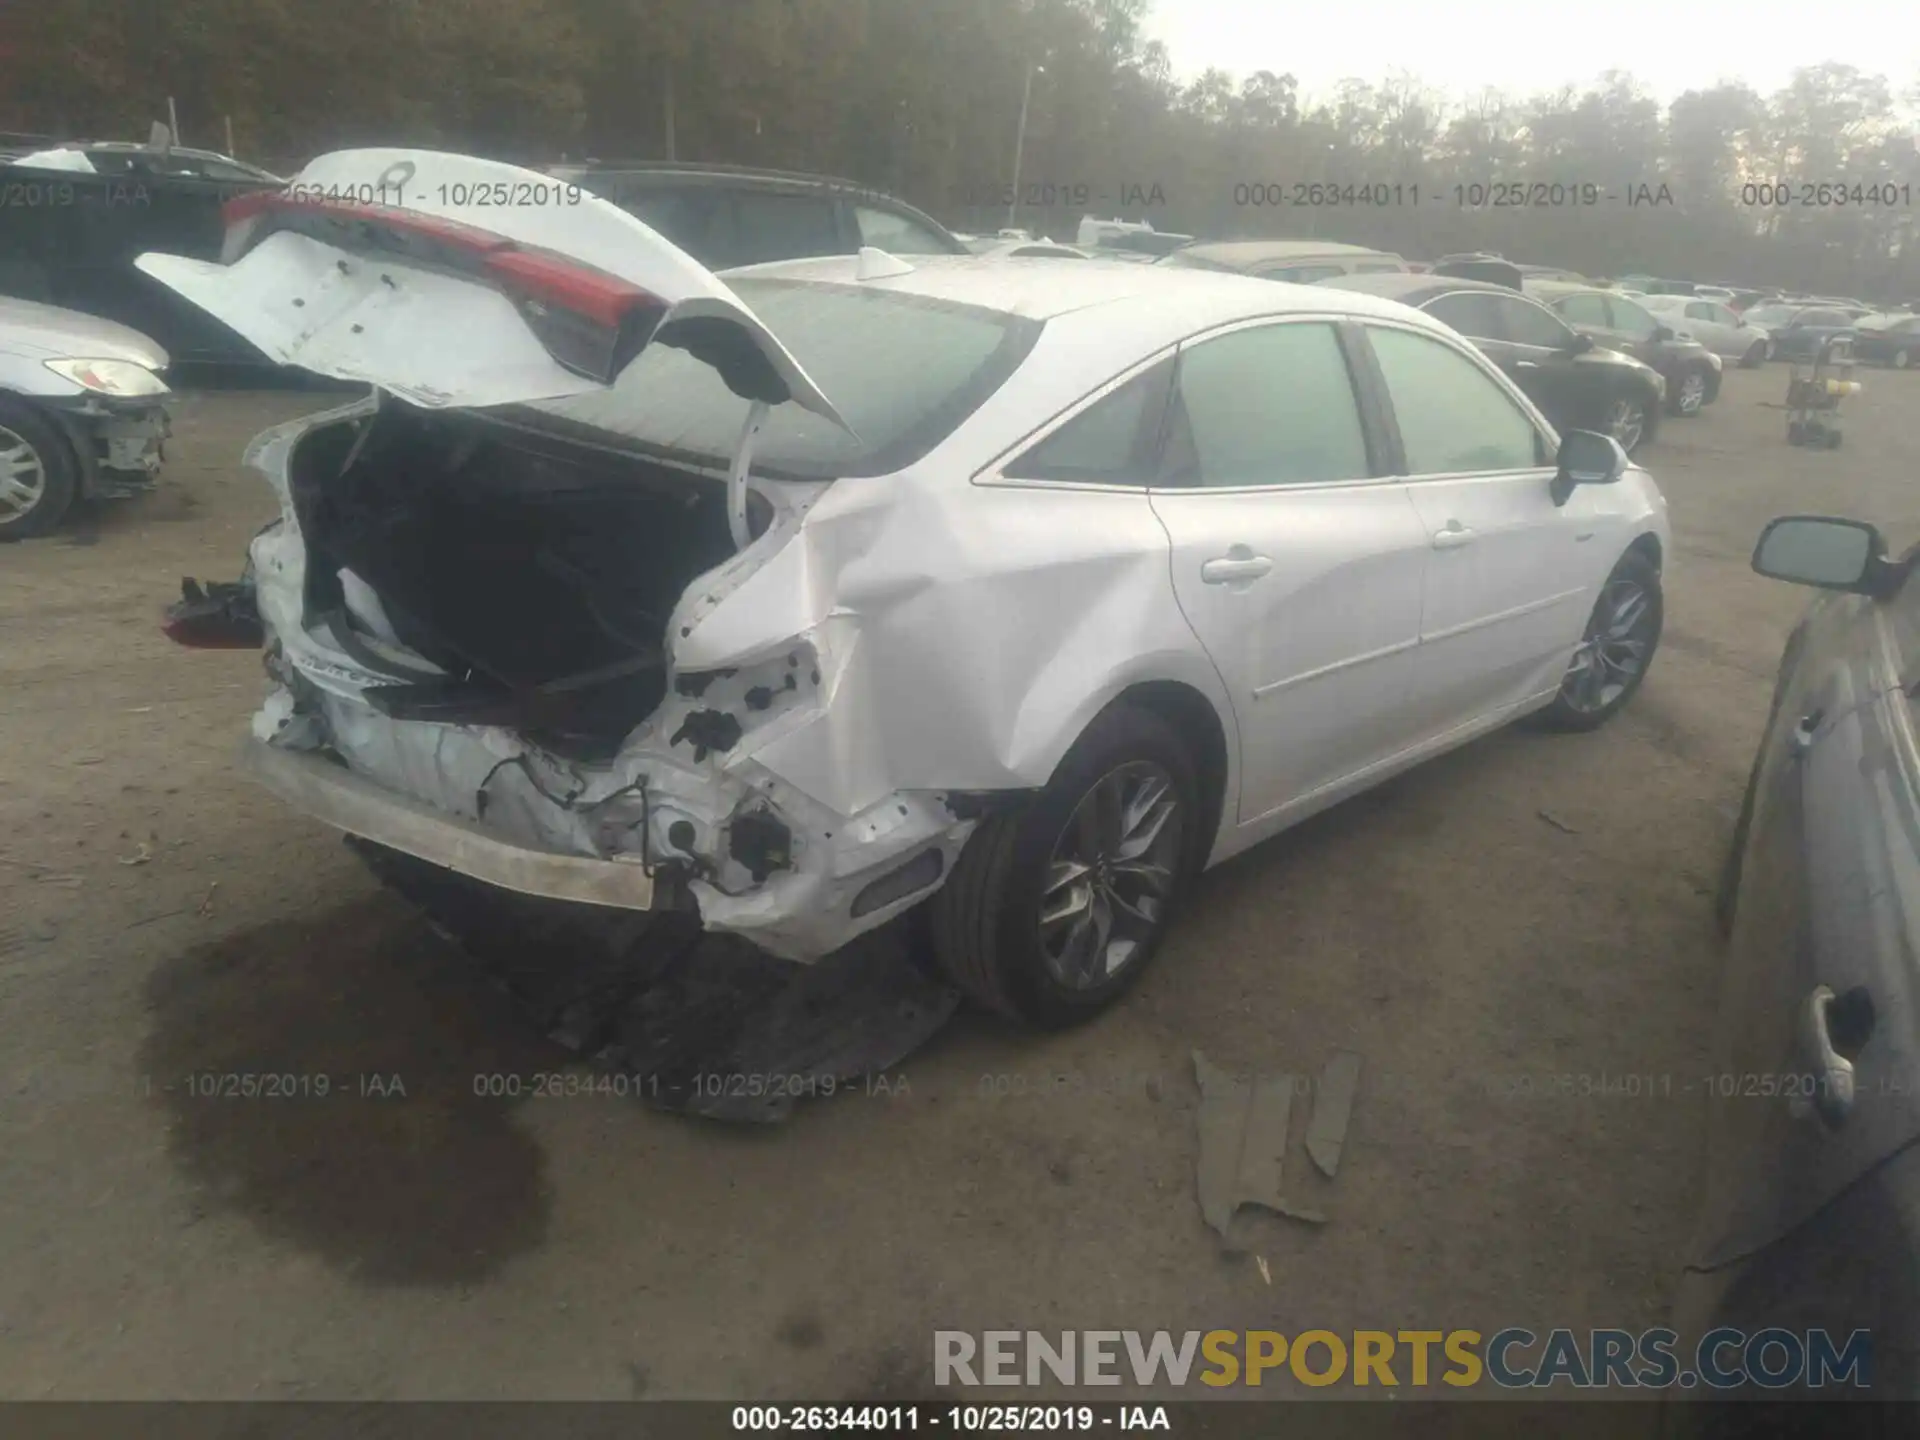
(1192, 717)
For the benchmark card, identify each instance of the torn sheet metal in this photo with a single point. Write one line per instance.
(1243, 1144)
(1332, 1109)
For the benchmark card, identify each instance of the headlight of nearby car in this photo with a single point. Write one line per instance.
(110, 377)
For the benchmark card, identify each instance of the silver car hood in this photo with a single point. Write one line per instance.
(47, 332)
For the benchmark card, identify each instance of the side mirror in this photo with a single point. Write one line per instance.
(1586, 458)
(1663, 332)
(1579, 344)
(1827, 552)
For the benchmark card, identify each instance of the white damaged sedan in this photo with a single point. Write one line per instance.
(1020, 590)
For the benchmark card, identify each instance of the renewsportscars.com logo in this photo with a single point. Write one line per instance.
(1512, 1359)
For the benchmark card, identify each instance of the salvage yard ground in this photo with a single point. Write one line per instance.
(1497, 935)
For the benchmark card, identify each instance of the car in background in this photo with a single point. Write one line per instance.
(1795, 331)
(1744, 300)
(83, 413)
(1577, 384)
(727, 216)
(1720, 294)
(1607, 317)
(1889, 339)
(1811, 1214)
(78, 213)
(1024, 591)
(1713, 323)
(1300, 262)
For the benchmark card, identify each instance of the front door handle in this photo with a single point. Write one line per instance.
(1526, 364)
(1453, 537)
(1237, 565)
(1832, 1071)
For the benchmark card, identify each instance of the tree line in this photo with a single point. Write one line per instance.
(1816, 186)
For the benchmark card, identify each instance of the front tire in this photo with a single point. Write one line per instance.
(1615, 651)
(1689, 395)
(1053, 910)
(1756, 356)
(1627, 421)
(38, 473)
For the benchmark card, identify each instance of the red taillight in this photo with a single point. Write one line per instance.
(591, 322)
(599, 297)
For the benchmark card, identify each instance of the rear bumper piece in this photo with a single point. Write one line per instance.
(349, 802)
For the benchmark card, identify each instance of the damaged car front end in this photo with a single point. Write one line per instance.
(507, 640)
(83, 413)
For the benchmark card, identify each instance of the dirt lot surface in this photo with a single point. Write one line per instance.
(161, 918)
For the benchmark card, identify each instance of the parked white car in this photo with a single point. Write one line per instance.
(1019, 588)
(1713, 324)
(83, 413)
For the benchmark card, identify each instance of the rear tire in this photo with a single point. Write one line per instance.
(1796, 433)
(1689, 397)
(1755, 357)
(1616, 649)
(39, 473)
(990, 922)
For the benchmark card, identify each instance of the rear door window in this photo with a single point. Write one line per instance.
(896, 234)
(1272, 405)
(1631, 319)
(1584, 310)
(1471, 312)
(1529, 324)
(1106, 443)
(758, 226)
(1454, 419)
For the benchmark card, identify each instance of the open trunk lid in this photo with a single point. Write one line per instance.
(451, 280)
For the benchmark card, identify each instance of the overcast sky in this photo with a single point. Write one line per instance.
(1467, 45)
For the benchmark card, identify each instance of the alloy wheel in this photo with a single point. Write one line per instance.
(1626, 422)
(23, 478)
(1614, 652)
(1111, 875)
(1901, 360)
(1693, 394)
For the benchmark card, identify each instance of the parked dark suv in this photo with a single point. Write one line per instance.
(1692, 371)
(74, 215)
(725, 215)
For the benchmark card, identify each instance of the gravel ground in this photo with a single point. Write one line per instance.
(406, 1237)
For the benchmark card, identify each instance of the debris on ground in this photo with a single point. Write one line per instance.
(140, 856)
(1556, 822)
(205, 907)
(1332, 1109)
(1243, 1143)
(705, 1023)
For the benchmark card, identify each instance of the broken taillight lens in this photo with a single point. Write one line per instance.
(219, 615)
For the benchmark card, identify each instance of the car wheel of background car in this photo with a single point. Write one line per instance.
(1758, 354)
(1772, 349)
(1054, 909)
(1627, 422)
(1796, 433)
(1833, 439)
(37, 480)
(1614, 653)
(1689, 395)
(1900, 359)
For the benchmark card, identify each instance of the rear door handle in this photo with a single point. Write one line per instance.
(1453, 537)
(1238, 564)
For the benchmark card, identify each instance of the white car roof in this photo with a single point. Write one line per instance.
(1045, 289)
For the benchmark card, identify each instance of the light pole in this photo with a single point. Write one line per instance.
(1020, 140)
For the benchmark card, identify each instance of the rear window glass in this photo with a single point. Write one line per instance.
(904, 371)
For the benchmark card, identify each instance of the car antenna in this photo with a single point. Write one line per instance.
(877, 264)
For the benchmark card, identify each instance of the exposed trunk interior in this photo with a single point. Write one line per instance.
(537, 571)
